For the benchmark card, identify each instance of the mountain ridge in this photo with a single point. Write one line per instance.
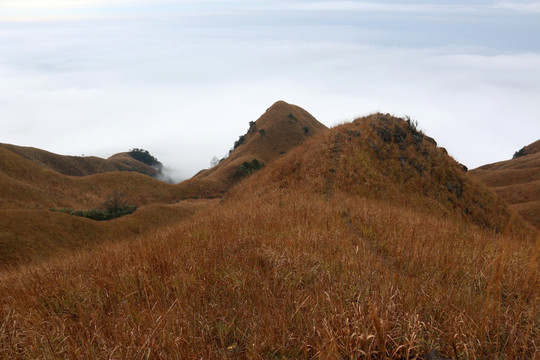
(517, 181)
(81, 165)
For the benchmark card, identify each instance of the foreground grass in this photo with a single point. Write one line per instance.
(293, 276)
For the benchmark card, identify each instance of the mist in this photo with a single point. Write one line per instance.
(184, 79)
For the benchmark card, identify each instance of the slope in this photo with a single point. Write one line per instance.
(35, 181)
(281, 128)
(25, 184)
(28, 191)
(387, 158)
(81, 165)
(517, 181)
(352, 245)
(30, 236)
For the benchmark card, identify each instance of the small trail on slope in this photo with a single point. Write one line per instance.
(334, 165)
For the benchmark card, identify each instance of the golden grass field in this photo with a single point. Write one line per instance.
(353, 245)
(517, 181)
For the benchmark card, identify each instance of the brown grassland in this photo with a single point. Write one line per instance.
(284, 126)
(80, 165)
(517, 181)
(365, 242)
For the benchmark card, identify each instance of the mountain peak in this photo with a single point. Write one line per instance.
(386, 159)
(282, 127)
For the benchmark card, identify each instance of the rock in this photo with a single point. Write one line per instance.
(384, 134)
(417, 138)
(354, 133)
(399, 135)
(459, 190)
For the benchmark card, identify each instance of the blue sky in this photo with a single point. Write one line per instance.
(183, 78)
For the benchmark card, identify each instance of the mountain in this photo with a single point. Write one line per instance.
(517, 181)
(365, 241)
(81, 165)
(386, 158)
(34, 181)
(281, 128)
(30, 231)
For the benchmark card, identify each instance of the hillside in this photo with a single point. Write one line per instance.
(517, 181)
(365, 242)
(281, 128)
(80, 165)
(46, 234)
(33, 181)
(386, 158)
(28, 191)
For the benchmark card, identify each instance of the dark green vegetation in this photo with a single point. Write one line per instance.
(519, 153)
(99, 215)
(144, 156)
(248, 168)
(114, 207)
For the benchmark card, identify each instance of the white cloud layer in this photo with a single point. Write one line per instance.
(185, 87)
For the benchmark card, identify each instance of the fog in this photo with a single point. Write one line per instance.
(182, 79)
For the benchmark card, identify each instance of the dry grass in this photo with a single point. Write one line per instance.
(295, 277)
(517, 181)
(300, 262)
(30, 236)
(285, 127)
(80, 165)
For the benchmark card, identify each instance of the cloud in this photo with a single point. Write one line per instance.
(416, 8)
(519, 6)
(378, 7)
(185, 89)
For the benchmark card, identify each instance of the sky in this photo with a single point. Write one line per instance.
(183, 78)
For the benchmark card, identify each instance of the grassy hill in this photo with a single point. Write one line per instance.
(30, 231)
(81, 165)
(33, 181)
(366, 241)
(517, 181)
(281, 128)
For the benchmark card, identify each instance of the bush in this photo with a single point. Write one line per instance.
(240, 141)
(99, 215)
(114, 207)
(519, 153)
(248, 167)
(145, 157)
(252, 126)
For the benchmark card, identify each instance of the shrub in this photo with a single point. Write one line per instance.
(240, 141)
(114, 207)
(145, 157)
(248, 167)
(99, 215)
(252, 126)
(519, 153)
